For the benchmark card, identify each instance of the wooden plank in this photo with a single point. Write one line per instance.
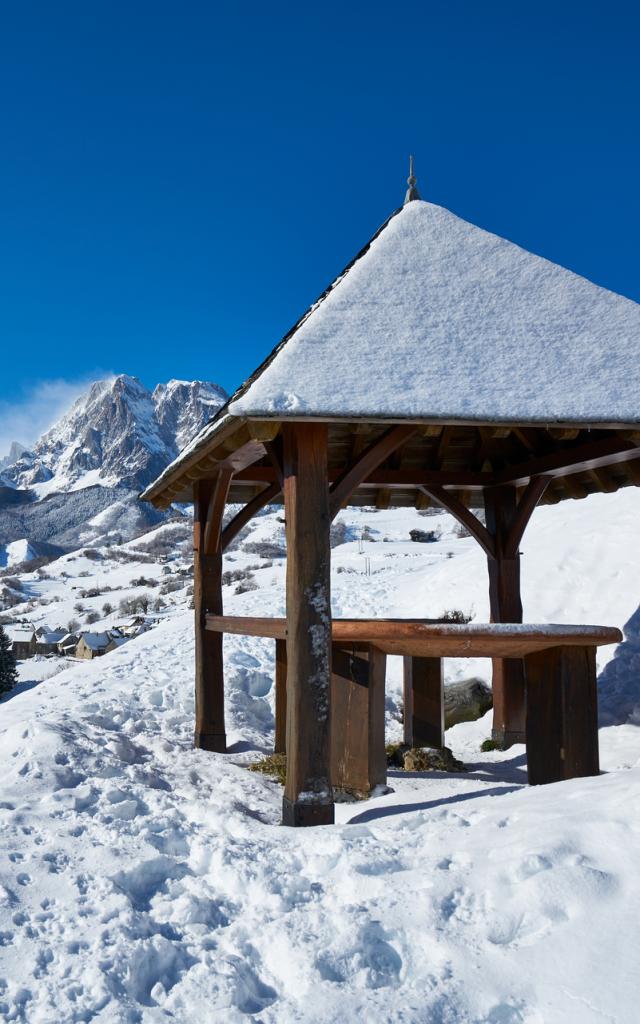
(280, 746)
(562, 714)
(432, 638)
(423, 702)
(353, 475)
(308, 798)
(358, 759)
(464, 515)
(247, 513)
(207, 599)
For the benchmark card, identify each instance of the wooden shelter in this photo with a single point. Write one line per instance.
(444, 366)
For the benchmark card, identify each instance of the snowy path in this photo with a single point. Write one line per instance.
(144, 881)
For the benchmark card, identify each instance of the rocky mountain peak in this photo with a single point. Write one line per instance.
(117, 434)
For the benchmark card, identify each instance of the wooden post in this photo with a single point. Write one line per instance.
(308, 798)
(280, 745)
(562, 714)
(207, 597)
(506, 606)
(358, 757)
(423, 702)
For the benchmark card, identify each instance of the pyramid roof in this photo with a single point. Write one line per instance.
(437, 319)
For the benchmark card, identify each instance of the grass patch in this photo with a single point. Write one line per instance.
(274, 765)
(488, 745)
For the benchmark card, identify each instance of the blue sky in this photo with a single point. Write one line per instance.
(180, 180)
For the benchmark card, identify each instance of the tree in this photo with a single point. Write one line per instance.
(8, 670)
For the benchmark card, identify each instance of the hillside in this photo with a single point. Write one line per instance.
(147, 881)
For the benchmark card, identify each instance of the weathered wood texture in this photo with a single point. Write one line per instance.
(207, 599)
(505, 602)
(562, 714)
(425, 638)
(280, 746)
(358, 759)
(423, 702)
(308, 798)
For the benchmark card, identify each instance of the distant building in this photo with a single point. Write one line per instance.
(67, 646)
(23, 640)
(47, 642)
(94, 645)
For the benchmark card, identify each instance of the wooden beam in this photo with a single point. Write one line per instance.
(563, 433)
(241, 519)
(263, 430)
(423, 719)
(607, 451)
(505, 603)
(209, 731)
(274, 454)
(353, 475)
(454, 506)
(280, 746)
(527, 503)
(308, 797)
(215, 512)
(386, 477)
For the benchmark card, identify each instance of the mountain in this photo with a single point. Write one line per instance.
(118, 434)
(80, 481)
(16, 451)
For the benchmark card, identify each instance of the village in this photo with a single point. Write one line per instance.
(28, 641)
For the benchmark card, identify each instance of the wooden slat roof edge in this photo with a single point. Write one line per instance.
(224, 426)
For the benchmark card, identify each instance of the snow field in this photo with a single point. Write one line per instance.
(143, 881)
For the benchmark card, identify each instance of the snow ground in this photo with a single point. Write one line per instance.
(143, 881)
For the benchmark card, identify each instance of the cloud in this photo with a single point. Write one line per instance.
(30, 415)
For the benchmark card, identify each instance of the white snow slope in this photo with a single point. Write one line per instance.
(143, 881)
(458, 303)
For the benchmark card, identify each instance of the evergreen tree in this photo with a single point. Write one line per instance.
(8, 671)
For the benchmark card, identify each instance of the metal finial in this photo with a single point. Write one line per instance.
(412, 192)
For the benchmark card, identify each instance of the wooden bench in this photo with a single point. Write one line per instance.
(560, 673)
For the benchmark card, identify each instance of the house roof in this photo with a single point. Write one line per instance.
(22, 634)
(51, 637)
(96, 641)
(439, 319)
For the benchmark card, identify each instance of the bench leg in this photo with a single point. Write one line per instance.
(358, 758)
(423, 702)
(281, 697)
(562, 714)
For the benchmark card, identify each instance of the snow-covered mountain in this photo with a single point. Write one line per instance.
(118, 434)
(80, 482)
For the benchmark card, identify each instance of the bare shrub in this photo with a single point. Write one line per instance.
(265, 549)
(92, 554)
(425, 536)
(91, 617)
(107, 608)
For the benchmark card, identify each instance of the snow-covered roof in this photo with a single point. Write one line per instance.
(437, 319)
(20, 633)
(96, 641)
(52, 637)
